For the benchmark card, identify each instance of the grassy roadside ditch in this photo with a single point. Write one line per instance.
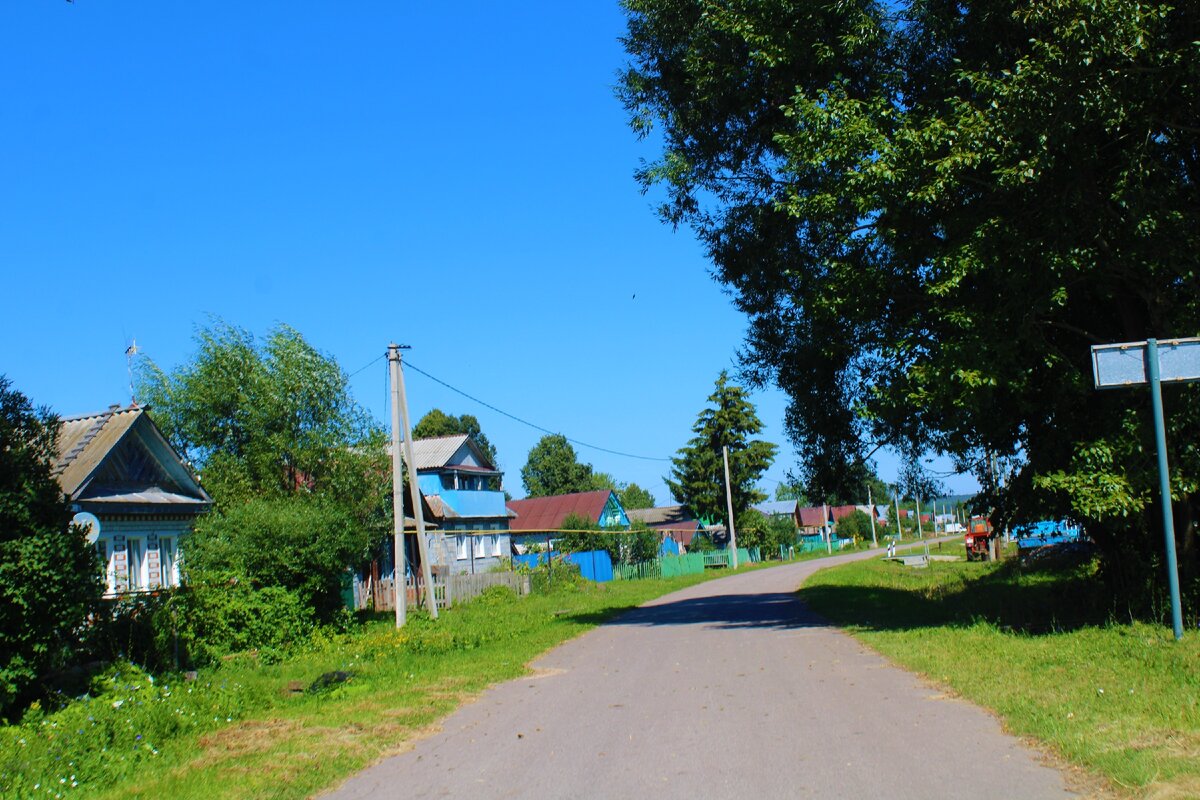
(254, 729)
(1119, 699)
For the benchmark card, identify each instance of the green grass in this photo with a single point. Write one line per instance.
(241, 731)
(1034, 645)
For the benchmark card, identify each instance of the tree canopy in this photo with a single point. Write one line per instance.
(269, 418)
(698, 472)
(297, 472)
(930, 212)
(50, 577)
(553, 468)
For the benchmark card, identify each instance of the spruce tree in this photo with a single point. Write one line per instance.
(698, 475)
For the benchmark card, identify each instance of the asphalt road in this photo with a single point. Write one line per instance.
(729, 689)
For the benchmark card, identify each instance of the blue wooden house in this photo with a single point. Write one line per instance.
(455, 478)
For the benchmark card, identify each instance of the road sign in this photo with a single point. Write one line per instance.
(1117, 365)
(1152, 362)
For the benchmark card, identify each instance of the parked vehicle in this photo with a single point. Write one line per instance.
(978, 539)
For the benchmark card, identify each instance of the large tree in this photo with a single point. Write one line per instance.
(929, 212)
(297, 471)
(269, 418)
(49, 574)
(553, 468)
(698, 472)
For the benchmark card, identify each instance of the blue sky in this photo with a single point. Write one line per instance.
(457, 178)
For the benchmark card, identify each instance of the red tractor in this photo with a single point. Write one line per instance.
(979, 539)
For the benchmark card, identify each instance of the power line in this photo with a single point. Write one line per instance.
(410, 365)
(365, 366)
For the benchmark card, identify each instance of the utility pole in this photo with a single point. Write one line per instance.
(729, 505)
(871, 514)
(920, 530)
(399, 562)
(414, 490)
(828, 526)
(896, 497)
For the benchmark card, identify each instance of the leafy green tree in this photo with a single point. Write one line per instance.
(639, 543)
(438, 423)
(50, 577)
(698, 472)
(630, 494)
(929, 212)
(915, 482)
(791, 491)
(856, 525)
(297, 471)
(271, 418)
(553, 468)
(634, 496)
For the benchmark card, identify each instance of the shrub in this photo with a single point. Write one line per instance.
(221, 614)
(299, 544)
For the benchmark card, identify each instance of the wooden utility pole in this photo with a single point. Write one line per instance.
(729, 505)
(920, 531)
(414, 490)
(871, 514)
(399, 562)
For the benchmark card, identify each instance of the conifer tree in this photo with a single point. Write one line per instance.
(698, 475)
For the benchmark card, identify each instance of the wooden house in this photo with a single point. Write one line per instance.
(117, 467)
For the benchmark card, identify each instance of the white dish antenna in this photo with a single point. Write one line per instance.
(90, 524)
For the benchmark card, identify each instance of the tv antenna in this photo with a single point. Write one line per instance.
(130, 352)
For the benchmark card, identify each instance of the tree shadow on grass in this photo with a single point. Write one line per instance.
(1015, 598)
(1031, 599)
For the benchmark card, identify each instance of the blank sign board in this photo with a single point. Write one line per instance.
(1117, 365)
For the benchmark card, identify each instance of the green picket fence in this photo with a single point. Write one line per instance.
(688, 564)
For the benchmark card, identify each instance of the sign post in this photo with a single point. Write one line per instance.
(1152, 362)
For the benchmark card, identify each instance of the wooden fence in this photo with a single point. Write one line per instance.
(447, 590)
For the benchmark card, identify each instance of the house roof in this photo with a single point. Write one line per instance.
(776, 507)
(119, 456)
(548, 513)
(812, 516)
(438, 452)
(657, 516)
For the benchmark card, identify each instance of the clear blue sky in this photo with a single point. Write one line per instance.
(455, 177)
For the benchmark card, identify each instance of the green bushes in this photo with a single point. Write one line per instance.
(300, 543)
(221, 614)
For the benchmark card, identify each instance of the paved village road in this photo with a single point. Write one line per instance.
(729, 689)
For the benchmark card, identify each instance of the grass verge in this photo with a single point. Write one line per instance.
(1122, 700)
(253, 729)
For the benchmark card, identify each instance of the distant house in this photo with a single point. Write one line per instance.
(673, 523)
(455, 478)
(537, 520)
(117, 466)
(812, 520)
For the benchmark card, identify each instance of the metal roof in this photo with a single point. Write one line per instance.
(439, 451)
(86, 442)
(776, 507)
(658, 516)
(548, 513)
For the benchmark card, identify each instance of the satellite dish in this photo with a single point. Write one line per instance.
(90, 524)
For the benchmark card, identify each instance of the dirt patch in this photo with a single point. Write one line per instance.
(244, 738)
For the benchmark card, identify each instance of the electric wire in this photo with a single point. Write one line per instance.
(415, 368)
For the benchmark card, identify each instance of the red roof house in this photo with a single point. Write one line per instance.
(549, 513)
